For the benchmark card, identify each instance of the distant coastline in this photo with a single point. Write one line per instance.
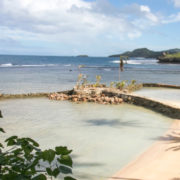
(170, 58)
(146, 53)
(83, 55)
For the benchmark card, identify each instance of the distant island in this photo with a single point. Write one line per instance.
(83, 55)
(146, 53)
(169, 58)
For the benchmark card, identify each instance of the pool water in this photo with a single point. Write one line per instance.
(104, 138)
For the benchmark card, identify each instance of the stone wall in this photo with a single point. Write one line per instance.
(156, 106)
(29, 95)
(107, 96)
(160, 85)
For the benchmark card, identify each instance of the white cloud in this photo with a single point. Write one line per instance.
(176, 3)
(72, 21)
(172, 19)
(148, 14)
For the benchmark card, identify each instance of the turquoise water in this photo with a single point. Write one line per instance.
(104, 138)
(166, 95)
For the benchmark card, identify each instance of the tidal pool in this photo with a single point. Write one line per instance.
(167, 95)
(104, 138)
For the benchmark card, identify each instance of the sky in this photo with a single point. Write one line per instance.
(91, 27)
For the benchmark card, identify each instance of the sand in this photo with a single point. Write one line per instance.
(160, 162)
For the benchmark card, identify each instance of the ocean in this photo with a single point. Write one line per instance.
(22, 74)
(104, 138)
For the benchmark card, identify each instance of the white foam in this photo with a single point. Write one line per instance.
(67, 65)
(6, 65)
(26, 65)
(139, 61)
(106, 69)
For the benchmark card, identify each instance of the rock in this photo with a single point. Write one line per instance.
(1, 116)
(107, 99)
(74, 99)
(116, 99)
(84, 99)
(112, 100)
(120, 100)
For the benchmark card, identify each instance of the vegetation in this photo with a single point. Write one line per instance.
(170, 58)
(120, 85)
(146, 53)
(22, 159)
(133, 86)
(176, 55)
(82, 82)
(83, 55)
(79, 79)
(98, 79)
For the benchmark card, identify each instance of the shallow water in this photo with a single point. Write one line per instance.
(167, 95)
(23, 74)
(104, 138)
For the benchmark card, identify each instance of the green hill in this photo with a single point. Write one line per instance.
(146, 53)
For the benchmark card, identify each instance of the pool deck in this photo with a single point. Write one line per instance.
(160, 162)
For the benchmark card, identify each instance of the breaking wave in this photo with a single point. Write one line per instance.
(136, 62)
(26, 65)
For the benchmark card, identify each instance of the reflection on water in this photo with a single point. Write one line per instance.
(103, 139)
(171, 96)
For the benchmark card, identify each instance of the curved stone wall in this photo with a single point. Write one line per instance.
(157, 106)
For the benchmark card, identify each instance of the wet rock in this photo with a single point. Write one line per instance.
(74, 99)
(1, 116)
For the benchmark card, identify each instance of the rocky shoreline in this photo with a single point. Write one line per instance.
(107, 95)
(169, 60)
(95, 95)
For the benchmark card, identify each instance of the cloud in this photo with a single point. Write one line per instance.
(173, 18)
(67, 16)
(73, 22)
(176, 3)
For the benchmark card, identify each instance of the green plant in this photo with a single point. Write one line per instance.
(24, 160)
(79, 68)
(112, 84)
(84, 80)
(79, 79)
(133, 86)
(133, 82)
(98, 79)
(120, 85)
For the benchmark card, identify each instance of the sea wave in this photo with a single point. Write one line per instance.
(107, 69)
(136, 62)
(67, 65)
(35, 65)
(6, 65)
(26, 65)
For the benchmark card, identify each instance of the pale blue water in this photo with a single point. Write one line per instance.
(103, 138)
(19, 74)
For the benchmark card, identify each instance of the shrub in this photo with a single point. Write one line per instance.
(24, 160)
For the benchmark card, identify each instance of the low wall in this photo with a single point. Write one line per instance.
(160, 85)
(17, 96)
(31, 95)
(160, 107)
(156, 106)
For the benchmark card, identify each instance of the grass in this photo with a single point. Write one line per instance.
(176, 55)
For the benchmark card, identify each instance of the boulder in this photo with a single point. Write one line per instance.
(1, 116)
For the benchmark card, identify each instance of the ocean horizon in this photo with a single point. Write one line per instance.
(23, 74)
